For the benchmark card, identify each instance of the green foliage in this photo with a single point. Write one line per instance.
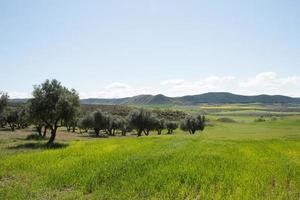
(101, 121)
(193, 124)
(171, 126)
(52, 104)
(142, 121)
(23, 116)
(86, 122)
(159, 125)
(12, 118)
(260, 119)
(3, 101)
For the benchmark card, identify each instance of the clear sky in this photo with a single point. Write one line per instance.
(123, 48)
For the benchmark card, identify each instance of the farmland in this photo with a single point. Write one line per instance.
(240, 160)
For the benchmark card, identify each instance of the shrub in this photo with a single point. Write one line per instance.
(226, 120)
(260, 119)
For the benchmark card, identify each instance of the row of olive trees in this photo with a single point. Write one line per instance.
(142, 121)
(53, 106)
(15, 118)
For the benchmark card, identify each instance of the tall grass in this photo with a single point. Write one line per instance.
(225, 162)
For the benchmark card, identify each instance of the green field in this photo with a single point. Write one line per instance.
(242, 160)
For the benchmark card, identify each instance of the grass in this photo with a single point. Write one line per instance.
(227, 161)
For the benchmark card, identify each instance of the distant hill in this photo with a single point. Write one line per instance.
(18, 100)
(214, 98)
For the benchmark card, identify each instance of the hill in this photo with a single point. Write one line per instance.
(215, 98)
(212, 97)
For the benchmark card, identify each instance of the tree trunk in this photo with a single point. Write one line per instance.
(97, 131)
(159, 132)
(53, 135)
(139, 133)
(39, 130)
(147, 132)
(74, 128)
(12, 127)
(45, 131)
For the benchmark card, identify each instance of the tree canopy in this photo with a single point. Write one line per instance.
(53, 104)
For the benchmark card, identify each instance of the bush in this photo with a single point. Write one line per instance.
(226, 120)
(260, 119)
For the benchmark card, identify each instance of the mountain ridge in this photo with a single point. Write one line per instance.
(211, 97)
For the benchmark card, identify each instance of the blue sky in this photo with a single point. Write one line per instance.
(123, 48)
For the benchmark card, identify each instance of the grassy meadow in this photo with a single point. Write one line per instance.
(238, 160)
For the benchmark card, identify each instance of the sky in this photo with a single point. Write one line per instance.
(118, 48)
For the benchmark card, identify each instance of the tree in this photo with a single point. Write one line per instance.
(111, 124)
(100, 121)
(159, 125)
(193, 124)
(23, 116)
(142, 121)
(52, 104)
(71, 124)
(86, 123)
(171, 126)
(124, 126)
(12, 118)
(2, 120)
(3, 105)
(38, 123)
(3, 101)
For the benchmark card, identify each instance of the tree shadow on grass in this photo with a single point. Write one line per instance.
(35, 137)
(32, 145)
(94, 136)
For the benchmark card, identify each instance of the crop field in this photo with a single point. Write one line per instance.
(239, 160)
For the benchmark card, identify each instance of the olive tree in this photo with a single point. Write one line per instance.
(3, 104)
(53, 103)
(86, 122)
(2, 120)
(193, 124)
(171, 126)
(142, 121)
(3, 100)
(23, 117)
(100, 121)
(11, 117)
(123, 125)
(159, 125)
